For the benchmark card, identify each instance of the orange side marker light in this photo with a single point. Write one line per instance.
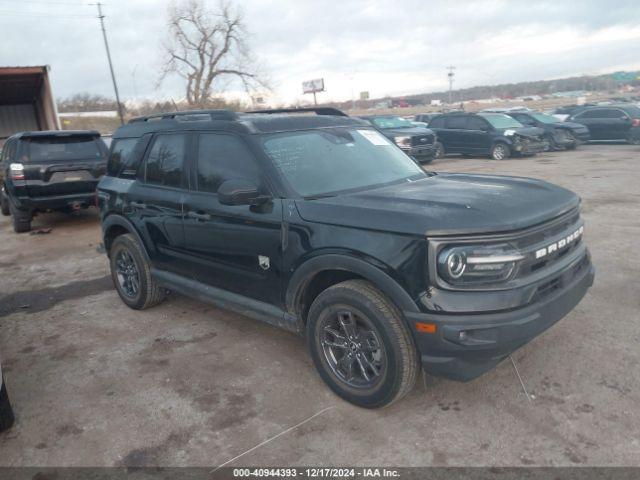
(423, 327)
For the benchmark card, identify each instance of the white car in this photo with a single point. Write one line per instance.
(6, 413)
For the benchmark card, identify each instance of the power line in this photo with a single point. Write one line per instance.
(42, 14)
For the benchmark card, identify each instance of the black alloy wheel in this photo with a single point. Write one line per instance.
(127, 274)
(352, 348)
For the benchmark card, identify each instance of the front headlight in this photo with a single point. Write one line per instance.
(477, 264)
(403, 142)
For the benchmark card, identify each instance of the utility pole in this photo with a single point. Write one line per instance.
(451, 68)
(113, 76)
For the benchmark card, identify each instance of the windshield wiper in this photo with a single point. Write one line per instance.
(322, 195)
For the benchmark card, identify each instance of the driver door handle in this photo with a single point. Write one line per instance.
(199, 216)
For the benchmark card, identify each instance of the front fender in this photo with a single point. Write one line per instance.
(309, 269)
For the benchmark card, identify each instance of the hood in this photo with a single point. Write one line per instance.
(530, 132)
(445, 204)
(406, 132)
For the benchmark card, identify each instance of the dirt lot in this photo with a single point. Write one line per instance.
(94, 383)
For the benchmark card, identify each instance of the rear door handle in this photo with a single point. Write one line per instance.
(199, 216)
(137, 205)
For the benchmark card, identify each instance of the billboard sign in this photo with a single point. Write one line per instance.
(364, 95)
(313, 86)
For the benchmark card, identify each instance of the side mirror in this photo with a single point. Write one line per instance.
(238, 191)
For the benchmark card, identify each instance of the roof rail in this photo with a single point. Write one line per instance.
(316, 110)
(212, 114)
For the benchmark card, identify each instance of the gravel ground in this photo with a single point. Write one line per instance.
(96, 384)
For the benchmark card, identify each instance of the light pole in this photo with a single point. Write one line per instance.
(113, 76)
(450, 74)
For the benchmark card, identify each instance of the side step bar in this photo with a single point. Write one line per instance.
(229, 301)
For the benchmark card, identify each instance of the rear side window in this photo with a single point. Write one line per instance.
(477, 123)
(437, 122)
(165, 162)
(9, 152)
(123, 161)
(222, 157)
(458, 121)
(596, 113)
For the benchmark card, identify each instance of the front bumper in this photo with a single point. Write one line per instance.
(530, 148)
(54, 202)
(581, 136)
(490, 337)
(423, 152)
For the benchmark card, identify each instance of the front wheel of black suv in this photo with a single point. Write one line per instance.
(500, 151)
(131, 274)
(6, 412)
(360, 345)
(21, 219)
(439, 150)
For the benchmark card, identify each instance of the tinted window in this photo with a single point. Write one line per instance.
(66, 148)
(476, 123)
(595, 113)
(165, 161)
(437, 122)
(457, 121)
(9, 152)
(123, 160)
(222, 157)
(612, 113)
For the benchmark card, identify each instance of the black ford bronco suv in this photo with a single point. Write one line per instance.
(321, 225)
(50, 170)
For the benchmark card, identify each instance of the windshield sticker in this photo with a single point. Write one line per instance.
(374, 137)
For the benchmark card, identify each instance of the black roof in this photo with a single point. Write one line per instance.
(262, 121)
(57, 134)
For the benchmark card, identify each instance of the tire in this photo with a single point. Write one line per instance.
(552, 146)
(131, 274)
(440, 153)
(633, 140)
(425, 161)
(6, 412)
(500, 151)
(21, 219)
(358, 307)
(4, 203)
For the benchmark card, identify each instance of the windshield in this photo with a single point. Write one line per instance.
(328, 161)
(66, 148)
(498, 120)
(544, 118)
(391, 122)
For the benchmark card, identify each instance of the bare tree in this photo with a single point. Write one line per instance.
(207, 47)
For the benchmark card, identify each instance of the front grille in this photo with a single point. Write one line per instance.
(426, 139)
(550, 243)
(562, 280)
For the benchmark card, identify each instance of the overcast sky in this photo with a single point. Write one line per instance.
(386, 47)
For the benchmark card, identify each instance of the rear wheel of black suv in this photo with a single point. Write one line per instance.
(360, 345)
(6, 412)
(131, 274)
(4, 203)
(500, 151)
(21, 219)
